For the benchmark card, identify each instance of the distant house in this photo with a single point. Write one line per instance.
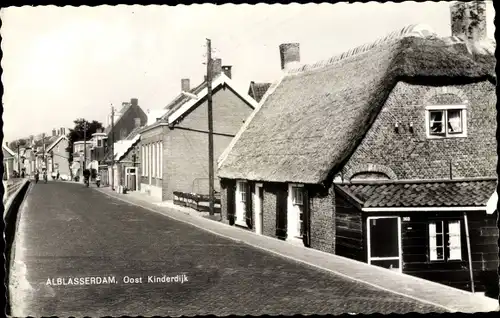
(9, 162)
(174, 148)
(127, 161)
(42, 158)
(257, 90)
(126, 120)
(58, 157)
(385, 154)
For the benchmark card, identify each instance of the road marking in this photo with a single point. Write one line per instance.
(282, 255)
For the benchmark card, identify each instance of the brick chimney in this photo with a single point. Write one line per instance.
(227, 70)
(468, 20)
(137, 122)
(290, 55)
(185, 85)
(216, 68)
(54, 132)
(134, 101)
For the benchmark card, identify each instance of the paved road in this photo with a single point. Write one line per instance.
(67, 230)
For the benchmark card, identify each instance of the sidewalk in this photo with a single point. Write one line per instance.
(448, 298)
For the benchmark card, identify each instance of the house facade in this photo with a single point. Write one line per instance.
(126, 120)
(174, 149)
(9, 162)
(386, 154)
(58, 157)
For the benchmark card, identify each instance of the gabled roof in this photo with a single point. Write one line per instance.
(10, 151)
(54, 143)
(315, 116)
(450, 193)
(257, 90)
(201, 92)
(123, 146)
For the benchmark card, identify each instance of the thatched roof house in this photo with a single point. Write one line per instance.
(315, 116)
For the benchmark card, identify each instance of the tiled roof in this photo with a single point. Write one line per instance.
(421, 194)
(257, 90)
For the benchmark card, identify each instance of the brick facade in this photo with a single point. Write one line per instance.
(185, 147)
(411, 155)
(322, 207)
(149, 137)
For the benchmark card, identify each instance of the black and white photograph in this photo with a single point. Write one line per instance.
(250, 159)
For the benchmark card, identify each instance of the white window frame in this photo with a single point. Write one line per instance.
(445, 238)
(158, 174)
(148, 159)
(241, 202)
(294, 210)
(161, 159)
(99, 143)
(143, 162)
(153, 157)
(400, 243)
(445, 109)
(433, 243)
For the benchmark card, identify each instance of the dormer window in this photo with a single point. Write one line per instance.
(446, 121)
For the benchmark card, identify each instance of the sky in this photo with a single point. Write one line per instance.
(63, 63)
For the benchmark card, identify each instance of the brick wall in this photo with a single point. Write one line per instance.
(148, 137)
(410, 155)
(127, 122)
(186, 151)
(270, 205)
(322, 207)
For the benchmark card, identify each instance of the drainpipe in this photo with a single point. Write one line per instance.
(468, 251)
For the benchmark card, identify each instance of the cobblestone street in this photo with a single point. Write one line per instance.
(67, 230)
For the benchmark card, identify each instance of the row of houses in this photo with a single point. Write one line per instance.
(38, 153)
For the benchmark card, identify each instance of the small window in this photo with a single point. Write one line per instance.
(445, 240)
(99, 143)
(446, 121)
(243, 191)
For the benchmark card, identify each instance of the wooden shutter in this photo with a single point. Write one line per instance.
(248, 205)
(231, 201)
(306, 223)
(281, 211)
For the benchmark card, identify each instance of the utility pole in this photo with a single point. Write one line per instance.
(44, 153)
(112, 148)
(18, 160)
(210, 127)
(85, 145)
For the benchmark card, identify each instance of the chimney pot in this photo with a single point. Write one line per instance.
(216, 67)
(134, 101)
(185, 85)
(290, 55)
(227, 70)
(54, 132)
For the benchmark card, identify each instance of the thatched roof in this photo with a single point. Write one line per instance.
(308, 125)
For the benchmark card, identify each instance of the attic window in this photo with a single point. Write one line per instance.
(446, 121)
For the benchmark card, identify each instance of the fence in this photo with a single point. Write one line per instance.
(199, 202)
(10, 187)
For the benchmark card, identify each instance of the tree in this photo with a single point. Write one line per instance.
(77, 133)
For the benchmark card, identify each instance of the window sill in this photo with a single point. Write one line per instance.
(446, 137)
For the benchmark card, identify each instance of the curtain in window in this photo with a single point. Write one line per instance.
(436, 121)
(432, 241)
(455, 242)
(454, 121)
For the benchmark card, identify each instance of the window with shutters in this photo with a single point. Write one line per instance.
(445, 240)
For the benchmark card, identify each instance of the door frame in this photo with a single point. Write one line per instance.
(239, 211)
(259, 215)
(400, 246)
(128, 173)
